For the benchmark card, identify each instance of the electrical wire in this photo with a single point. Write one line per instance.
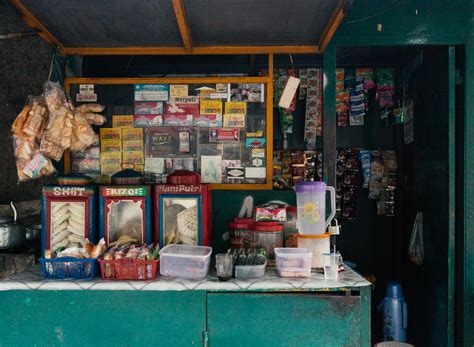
(375, 14)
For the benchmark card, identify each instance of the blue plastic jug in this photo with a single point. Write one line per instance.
(395, 314)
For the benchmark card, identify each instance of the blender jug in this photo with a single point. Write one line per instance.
(311, 205)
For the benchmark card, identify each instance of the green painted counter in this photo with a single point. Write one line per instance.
(175, 312)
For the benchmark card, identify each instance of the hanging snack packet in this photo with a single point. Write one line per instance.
(364, 157)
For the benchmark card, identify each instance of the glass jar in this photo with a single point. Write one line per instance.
(241, 233)
(291, 231)
(269, 236)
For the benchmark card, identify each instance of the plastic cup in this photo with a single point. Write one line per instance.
(224, 264)
(331, 265)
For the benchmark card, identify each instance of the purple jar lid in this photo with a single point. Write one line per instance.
(311, 187)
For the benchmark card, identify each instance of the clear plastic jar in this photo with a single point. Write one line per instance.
(241, 233)
(269, 236)
(291, 231)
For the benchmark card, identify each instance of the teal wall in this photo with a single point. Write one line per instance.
(419, 22)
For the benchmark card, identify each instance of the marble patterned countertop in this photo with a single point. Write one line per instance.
(32, 280)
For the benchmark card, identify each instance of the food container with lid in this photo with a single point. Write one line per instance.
(291, 231)
(317, 245)
(269, 236)
(241, 233)
(250, 271)
(185, 261)
(293, 262)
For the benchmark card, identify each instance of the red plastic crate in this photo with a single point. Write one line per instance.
(128, 269)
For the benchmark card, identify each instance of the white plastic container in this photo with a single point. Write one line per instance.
(317, 245)
(250, 271)
(293, 262)
(311, 205)
(185, 261)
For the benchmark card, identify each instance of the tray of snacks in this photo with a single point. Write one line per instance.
(249, 263)
(130, 262)
(78, 262)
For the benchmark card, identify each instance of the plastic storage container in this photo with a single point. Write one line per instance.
(185, 261)
(241, 233)
(269, 236)
(311, 203)
(293, 262)
(250, 271)
(317, 245)
(291, 231)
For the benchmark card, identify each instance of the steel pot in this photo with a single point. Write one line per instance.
(33, 232)
(12, 233)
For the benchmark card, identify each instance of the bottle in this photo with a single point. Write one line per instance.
(395, 314)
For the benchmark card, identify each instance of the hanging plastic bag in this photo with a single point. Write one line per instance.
(416, 251)
(27, 130)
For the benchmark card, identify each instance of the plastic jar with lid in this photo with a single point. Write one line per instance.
(291, 232)
(241, 233)
(317, 245)
(269, 236)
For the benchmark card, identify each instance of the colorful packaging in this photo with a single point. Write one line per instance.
(122, 121)
(147, 120)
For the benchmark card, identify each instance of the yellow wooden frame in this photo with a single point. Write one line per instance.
(186, 37)
(267, 80)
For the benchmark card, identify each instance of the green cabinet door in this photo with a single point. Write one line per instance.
(102, 318)
(283, 319)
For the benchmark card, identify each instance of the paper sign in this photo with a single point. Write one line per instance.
(222, 88)
(224, 135)
(185, 100)
(289, 92)
(236, 107)
(178, 90)
(86, 89)
(151, 92)
(86, 97)
(254, 142)
(234, 120)
(218, 96)
(211, 169)
(210, 107)
(255, 172)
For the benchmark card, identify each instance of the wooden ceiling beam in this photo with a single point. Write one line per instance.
(332, 25)
(34, 23)
(208, 50)
(183, 26)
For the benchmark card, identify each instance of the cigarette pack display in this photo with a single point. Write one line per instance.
(110, 134)
(125, 214)
(133, 146)
(178, 119)
(68, 216)
(148, 107)
(122, 121)
(133, 157)
(147, 120)
(211, 120)
(132, 134)
(110, 146)
(110, 169)
(111, 158)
